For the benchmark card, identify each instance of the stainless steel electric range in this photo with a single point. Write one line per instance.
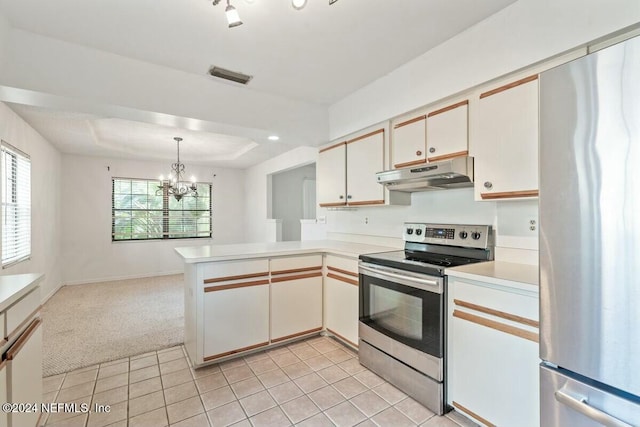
(402, 306)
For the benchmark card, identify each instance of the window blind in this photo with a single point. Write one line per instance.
(143, 210)
(16, 205)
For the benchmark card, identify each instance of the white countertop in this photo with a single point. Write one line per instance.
(15, 286)
(206, 253)
(497, 272)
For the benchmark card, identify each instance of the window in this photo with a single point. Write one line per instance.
(16, 205)
(143, 210)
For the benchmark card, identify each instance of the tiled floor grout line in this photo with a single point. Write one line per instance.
(367, 383)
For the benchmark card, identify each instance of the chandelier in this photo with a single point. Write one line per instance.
(175, 183)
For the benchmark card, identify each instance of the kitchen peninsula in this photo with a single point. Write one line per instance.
(245, 297)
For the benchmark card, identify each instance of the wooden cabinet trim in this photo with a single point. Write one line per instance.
(299, 334)
(296, 277)
(509, 194)
(239, 277)
(411, 163)
(472, 414)
(332, 146)
(239, 350)
(27, 319)
(448, 156)
(20, 342)
(3, 364)
(358, 138)
(328, 205)
(342, 338)
(449, 108)
(296, 270)
(236, 285)
(339, 270)
(521, 333)
(497, 313)
(366, 202)
(410, 121)
(509, 86)
(343, 279)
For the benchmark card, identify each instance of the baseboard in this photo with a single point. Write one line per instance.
(52, 293)
(116, 278)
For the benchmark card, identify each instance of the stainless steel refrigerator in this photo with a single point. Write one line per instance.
(590, 240)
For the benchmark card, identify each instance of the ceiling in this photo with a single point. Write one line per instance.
(317, 55)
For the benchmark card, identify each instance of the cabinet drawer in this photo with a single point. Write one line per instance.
(214, 272)
(343, 265)
(486, 297)
(296, 264)
(19, 314)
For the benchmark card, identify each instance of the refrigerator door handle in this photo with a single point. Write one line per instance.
(580, 405)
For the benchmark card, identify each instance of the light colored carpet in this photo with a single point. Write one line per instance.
(93, 323)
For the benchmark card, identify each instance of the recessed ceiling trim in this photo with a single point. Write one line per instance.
(233, 76)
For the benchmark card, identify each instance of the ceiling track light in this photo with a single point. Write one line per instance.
(233, 17)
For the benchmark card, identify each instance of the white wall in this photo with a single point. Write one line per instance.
(524, 33)
(287, 199)
(89, 253)
(45, 201)
(258, 188)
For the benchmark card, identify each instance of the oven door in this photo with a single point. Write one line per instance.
(405, 306)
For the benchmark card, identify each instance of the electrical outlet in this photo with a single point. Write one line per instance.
(533, 225)
(366, 220)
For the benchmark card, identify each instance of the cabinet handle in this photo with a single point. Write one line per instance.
(341, 197)
(20, 342)
(432, 150)
(349, 196)
(418, 153)
(488, 185)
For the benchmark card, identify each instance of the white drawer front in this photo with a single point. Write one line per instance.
(342, 263)
(295, 264)
(495, 299)
(19, 313)
(233, 270)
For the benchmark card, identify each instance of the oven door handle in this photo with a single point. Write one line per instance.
(386, 273)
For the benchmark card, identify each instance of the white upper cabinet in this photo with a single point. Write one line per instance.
(346, 171)
(409, 141)
(506, 141)
(365, 157)
(448, 132)
(332, 175)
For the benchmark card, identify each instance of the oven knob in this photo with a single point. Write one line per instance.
(409, 230)
(475, 235)
(418, 232)
(463, 234)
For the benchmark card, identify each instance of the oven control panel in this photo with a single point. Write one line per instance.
(472, 236)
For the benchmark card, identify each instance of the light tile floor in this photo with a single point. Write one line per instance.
(315, 382)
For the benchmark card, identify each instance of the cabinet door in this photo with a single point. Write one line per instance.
(493, 345)
(365, 157)
(341, 311)
(296, 305)
(24, 373)
(506, 144)
(408, 142)
(332, 175)
(236, 318)
(447, 132)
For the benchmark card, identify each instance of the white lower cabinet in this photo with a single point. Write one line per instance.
(236, 318)
(296, 306)
(4, 417)
(493, 360)
(341, 298)
(24, 374)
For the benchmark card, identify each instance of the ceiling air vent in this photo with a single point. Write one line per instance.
(234, 76)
